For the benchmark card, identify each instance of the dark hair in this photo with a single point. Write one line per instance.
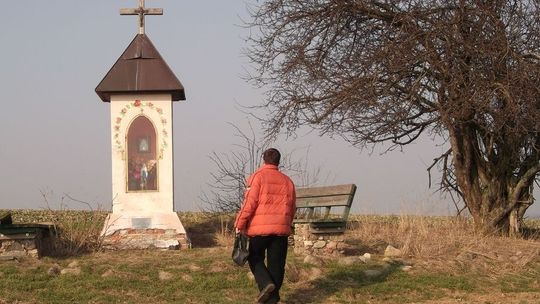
(271, 156)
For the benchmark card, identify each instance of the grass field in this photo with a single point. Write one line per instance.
(450, 264)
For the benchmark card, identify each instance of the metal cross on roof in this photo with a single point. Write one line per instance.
(141, 11)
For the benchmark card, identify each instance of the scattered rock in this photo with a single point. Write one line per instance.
(391, 251)
(309, 259)
(308, 243)
(73, 264)
(54, 270)
(514, 258)
(406, 268)
(387, 260)
(164, 275)
(315, 273)
(187, 278)
(71, 271)
(107, 273)
(406, 263)
(331, 245)
(365, 258)
(194, 268)
(319, 244)
(347, 261)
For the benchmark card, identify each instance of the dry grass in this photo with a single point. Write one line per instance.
(78, 232)
(448, 243)
(75, 232)
(209, 229)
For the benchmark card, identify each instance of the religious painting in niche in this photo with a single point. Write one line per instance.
(142, 155)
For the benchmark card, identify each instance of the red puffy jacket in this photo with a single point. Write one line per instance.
(269, 203)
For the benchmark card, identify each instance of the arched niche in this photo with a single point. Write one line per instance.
(142, 164)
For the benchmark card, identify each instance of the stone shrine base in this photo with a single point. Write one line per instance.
(144, 230)
(146, 239)
(325, 244)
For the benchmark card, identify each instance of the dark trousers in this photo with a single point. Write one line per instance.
(275, 248)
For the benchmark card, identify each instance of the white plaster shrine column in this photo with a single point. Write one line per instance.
(142, 164)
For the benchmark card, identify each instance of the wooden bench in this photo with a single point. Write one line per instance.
(314, 206)
(30, 236)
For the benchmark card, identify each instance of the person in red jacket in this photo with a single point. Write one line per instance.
(266, 217)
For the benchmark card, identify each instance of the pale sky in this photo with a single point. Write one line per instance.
(55, 133)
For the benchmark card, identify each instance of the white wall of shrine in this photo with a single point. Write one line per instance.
(137, 204)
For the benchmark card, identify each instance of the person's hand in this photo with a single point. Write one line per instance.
(238, 231)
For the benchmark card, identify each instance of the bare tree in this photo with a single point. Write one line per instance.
(228, 181)
(389, 71)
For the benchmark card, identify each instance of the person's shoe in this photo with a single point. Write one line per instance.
(265, 293)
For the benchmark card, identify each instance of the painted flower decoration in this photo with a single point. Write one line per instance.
(138, 104)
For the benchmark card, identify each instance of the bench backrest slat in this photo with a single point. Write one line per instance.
(323, 201)
(325, 191)
(340, 195)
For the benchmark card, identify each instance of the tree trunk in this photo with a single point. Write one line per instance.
(497, 200)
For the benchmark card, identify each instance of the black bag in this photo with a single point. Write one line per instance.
(240, 251)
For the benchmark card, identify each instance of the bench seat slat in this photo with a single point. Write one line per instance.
(319, 220)
(18, 236)
(327, 230)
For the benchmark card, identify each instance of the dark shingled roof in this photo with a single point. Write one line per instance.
(140, 69)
